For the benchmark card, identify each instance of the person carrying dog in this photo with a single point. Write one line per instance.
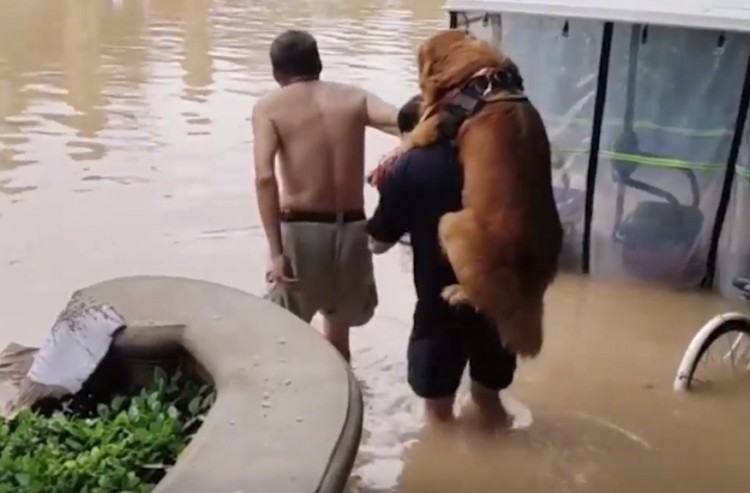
(416, 188)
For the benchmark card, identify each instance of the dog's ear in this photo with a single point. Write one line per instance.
(476, 42)
(426, 74)
(425, 69)
(514, 72)
(426, 61)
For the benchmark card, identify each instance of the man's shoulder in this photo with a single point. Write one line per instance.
(279, 99)
(265, 103)
(352, 97)
(342, 86)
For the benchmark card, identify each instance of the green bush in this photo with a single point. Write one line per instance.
(124, 446)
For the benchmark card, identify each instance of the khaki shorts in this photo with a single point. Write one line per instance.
(333, 266)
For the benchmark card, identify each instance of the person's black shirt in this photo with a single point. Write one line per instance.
(423, 185)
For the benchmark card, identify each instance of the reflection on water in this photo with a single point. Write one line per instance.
(124, 148)
(141, 75)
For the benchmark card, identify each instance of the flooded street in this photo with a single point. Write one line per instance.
(125, 148)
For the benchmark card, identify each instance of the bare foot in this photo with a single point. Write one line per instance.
(435, 424)
(454, 295)
(487, 418)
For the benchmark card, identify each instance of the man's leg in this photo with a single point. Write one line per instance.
(353, 302)
(353, 307)
(436, 360)
(337, 334)
(307, 246)
(439, 411)
(492, 369)
(485, 407)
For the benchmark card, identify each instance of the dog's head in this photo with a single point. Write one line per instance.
(450, 58)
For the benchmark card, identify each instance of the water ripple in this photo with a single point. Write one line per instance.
(123, 81)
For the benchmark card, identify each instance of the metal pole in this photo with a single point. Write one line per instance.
(635, 47)
(596, 133)
(726, 192)
(627, 143)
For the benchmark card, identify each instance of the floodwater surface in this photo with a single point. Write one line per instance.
(125, 148)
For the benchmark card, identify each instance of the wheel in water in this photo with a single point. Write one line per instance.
(719, 354)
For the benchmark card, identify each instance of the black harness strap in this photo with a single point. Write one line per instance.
(504, 85)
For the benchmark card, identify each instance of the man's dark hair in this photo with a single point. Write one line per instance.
(409, 114)
(295, 53)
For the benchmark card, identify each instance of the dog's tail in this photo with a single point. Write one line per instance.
(517, 313)
(521, 330)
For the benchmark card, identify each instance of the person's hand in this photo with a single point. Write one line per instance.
(278, 270)
(375, 177)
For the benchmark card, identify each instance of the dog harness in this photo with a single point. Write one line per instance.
(485, 87)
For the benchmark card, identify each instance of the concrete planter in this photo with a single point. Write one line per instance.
(288, 413)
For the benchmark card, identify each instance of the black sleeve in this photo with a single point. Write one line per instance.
(390, 221)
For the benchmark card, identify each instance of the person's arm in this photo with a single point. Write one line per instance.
(381, 115)
(375, 176)
(389, 222)
(266, 145)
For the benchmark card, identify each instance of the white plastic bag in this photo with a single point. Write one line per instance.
(78, 342)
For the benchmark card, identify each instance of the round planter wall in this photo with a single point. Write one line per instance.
(288, 413)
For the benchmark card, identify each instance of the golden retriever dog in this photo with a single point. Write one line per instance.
(505, 242)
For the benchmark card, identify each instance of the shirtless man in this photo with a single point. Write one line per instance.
(315, 225)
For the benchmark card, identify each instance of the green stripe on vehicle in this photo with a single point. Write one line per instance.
(743, 172)
(657, 162)
(642, 124)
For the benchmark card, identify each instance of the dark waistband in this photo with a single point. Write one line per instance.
(322, 217)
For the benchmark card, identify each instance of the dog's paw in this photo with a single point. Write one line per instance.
(454, 295)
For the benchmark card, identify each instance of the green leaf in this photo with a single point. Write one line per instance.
(23, 480)
(208, 401)
(117, 403)
(160, 376)
(104, 449)
(195, 406)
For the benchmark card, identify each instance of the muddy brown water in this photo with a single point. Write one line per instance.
(125, 148)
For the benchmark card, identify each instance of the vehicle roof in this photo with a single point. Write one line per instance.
(721, 15)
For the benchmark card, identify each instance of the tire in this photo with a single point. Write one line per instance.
(721, 330)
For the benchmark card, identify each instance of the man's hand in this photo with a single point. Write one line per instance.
(378, 247)
(375, 177)
(278, 271)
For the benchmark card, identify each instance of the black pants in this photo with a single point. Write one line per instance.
(444, 339)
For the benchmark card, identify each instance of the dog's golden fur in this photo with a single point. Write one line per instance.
(505, 242)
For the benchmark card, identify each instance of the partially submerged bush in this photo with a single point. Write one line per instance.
(123, 446)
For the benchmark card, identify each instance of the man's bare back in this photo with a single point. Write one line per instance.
(319, 128)
(313, 214)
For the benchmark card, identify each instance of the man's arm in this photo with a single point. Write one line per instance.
(381, 115)
(389, 222)
(266, 145)
(378, 247)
